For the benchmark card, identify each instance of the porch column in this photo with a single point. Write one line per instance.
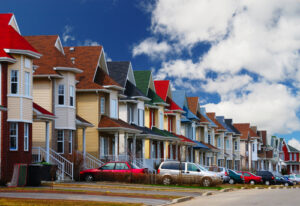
(116, 146)
(270, 166)
(262, 164)
(176, 152)
(192, 154)
(134, 148)
(83, 143)
(47, 142)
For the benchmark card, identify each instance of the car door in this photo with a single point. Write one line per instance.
(106, 171)
(247, 177)
(121, 167)
(192, 169)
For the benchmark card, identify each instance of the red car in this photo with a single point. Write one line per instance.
(251, 178)
(110, 170)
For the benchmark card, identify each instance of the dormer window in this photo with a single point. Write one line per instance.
(61, 94)
(14, 81)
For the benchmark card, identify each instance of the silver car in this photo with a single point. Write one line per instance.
(221, 171)
(170, 171)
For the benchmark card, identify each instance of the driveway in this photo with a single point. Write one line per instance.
(258, 197)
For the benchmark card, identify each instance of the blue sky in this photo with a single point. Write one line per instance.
(240, 60)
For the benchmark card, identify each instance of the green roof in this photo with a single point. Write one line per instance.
(154, 97)
(292, 149)
(163, 132)
(142, 79)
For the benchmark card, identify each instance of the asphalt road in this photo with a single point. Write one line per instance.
(83, 197)
(257, 197)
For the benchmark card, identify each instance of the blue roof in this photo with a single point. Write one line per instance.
(184, 119)
(221, 120)
(179, 97)
(203, 112)
(189, 114)
(199, 145)
(229, 123)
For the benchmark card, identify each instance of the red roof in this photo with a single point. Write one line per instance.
(107, 122)
(212, 116)
(41, 109)
(172, 105)
(184, 139)
(10, 38)
(244, 129)
(193, 104)
(161, 88)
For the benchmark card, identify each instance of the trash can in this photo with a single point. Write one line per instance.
(34, 175)
(48, 172)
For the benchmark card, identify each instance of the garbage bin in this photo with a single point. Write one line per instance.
(48, 172)
(34, 175)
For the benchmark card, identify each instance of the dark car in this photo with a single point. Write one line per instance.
(107, 171)
(235, 177)
(280, 180)
(267, 177)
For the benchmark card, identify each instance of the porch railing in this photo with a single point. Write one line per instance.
(39, 154)
(90, 161)
(68, 166)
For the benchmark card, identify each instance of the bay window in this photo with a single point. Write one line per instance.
(61, 94)
(14, 81)
(27, 83)
(72, 95)
(13, 136)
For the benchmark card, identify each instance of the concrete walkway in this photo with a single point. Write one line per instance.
(83, 197)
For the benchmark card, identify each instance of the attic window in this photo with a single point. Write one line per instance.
(72, 49)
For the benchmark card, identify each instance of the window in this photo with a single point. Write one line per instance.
(102, 105)
(161, 120)
(194, 131)
(178, 126)
(192, 168)
(227, 144)
(291, 157)
(13, 136)
(27, 83)
(170, 124)
(121, 166)
(60, 141)
(114, 108)
(26, 137)
(72, 95)
(246, 147)
(253, 147)
(70, 141)
(141, 117)
(173, 166)
(61, 94)
(108, 166)
(295, 156)
(27, 63)
(208, 139)
(152, 118)
(235, 145)
(219, 142)
(130, 114)
(14, 81)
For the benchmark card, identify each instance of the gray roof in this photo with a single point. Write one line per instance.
(118, 71)
(229, 123)
(220, 119)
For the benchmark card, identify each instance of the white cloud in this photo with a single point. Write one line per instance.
(152, 48)
(270, 106)
(294, 143)
(261, 37)
(67, 34)
(89, 42)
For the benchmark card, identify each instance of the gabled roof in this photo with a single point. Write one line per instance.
(155, 99)
(292, 149)
(179, 96)
(193, 104)
(108, 124)
(203, 113)
(162, 87)
(133, 91)
(40, 113)
(244, 129)
(142, 79)
(221, 120)
(80, 122)
(11, 41)
(87, 59)
(252, 133)
(172, 105)
(212, 116)
(229, 123)
(51, 58)
(119, 71)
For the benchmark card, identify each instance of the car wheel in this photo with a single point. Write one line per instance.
(286, 184)
(206, 182)
(252, 182)
(89, 178)
(267, 182)
(231, 181)
(167, 180)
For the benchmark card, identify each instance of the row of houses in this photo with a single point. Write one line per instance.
(70, 107)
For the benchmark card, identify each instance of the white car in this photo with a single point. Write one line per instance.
(294, 178)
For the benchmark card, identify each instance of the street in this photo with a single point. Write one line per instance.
(263, 197)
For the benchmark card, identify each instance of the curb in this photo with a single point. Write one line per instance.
(178, 200)
(226, 190)
(207, 194)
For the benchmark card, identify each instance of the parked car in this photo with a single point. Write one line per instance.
(280, 180)
(267, 177)
(222, 171)
(170, 170)
(251, 178)
(108, 169)
(235, 177)
(294, 178)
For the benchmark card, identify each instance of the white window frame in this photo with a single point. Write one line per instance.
(27, 83)
(27, 63)
(114, 108)
(141, 118)
(26, 137)
(102, 105)
(161, 120)
(14, 136)
(193, 131)
(62, 141)
(72, 96)
(227, 144)
(70, 142)
(14, 82)
(61, 87)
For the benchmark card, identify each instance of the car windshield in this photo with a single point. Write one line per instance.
(201, 167)
(234, 172)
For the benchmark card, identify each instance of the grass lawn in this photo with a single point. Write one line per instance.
(35, 202)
